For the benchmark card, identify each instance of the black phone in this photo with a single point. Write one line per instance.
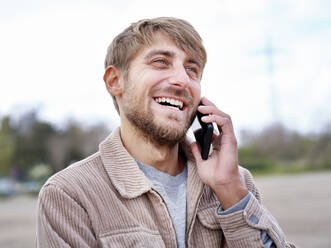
(204, 135)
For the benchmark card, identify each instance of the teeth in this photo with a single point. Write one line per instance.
(173, 102)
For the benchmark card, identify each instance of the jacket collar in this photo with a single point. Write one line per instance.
(130, 181)
(122, 168)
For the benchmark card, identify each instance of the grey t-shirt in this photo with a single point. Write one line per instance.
(173, 191)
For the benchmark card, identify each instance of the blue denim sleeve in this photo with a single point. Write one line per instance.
(237, 207)
(266, 240)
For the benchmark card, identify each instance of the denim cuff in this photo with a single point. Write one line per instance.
(237, 207)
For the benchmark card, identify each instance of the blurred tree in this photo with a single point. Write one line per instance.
(74, 143)
(277, 145)
(249, 158)
(31, 142)
(320, 154)
(7, 146)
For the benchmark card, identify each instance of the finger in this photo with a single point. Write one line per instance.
(224, 124)
(212, 110)
(227, 135)
(205, 101)
(216, 141)
(215, 137)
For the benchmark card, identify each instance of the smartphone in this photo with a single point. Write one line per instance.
(204, 135)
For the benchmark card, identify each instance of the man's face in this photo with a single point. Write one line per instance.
(162, 91)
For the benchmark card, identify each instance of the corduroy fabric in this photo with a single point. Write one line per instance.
(106, 201)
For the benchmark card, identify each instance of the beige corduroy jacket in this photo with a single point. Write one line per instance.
(106, 201)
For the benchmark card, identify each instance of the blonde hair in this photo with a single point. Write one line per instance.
(127, 44)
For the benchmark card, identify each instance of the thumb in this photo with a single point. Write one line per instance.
(196, 152)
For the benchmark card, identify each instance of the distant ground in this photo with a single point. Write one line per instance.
(17, 222)
(301, 203)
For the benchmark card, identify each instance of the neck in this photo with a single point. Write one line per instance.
(162, 157)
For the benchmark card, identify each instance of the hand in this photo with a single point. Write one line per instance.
(220, 171)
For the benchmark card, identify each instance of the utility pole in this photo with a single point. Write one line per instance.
(268, 51)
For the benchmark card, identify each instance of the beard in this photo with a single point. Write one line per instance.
(144, 120)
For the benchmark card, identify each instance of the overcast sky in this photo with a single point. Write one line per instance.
(52, 53)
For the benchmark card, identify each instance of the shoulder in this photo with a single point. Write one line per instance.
(77, 177)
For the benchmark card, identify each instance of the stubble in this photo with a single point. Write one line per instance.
(144, 120)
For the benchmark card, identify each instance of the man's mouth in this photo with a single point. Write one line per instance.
(165, 101)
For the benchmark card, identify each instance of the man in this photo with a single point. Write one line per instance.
(147, 186)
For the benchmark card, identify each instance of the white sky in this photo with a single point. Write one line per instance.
(52, 53)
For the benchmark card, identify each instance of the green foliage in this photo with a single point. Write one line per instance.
(31, 142)
(253, 161)
(30, 145)
(7, 146)
(278, 149)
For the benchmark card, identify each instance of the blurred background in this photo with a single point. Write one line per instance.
(269, 67)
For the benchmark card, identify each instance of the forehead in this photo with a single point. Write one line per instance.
(162, 42)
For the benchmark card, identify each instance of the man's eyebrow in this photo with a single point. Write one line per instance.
(160, 52)
(194, 61)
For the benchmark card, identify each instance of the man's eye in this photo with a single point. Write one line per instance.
(161, 61)
(192, 70)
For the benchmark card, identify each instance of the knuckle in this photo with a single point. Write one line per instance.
(227, 120)
(228, 116)
(234, 141)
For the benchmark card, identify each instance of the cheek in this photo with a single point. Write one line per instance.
(195, 89)
(149, 80)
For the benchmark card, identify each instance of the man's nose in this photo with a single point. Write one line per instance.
(179, 77)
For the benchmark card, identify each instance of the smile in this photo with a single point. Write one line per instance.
(177, 104)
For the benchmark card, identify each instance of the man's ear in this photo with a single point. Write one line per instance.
(112, 80)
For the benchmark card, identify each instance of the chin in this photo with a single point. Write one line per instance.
(169, 134)
(173, 125)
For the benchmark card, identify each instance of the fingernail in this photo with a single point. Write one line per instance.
(204, 118)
